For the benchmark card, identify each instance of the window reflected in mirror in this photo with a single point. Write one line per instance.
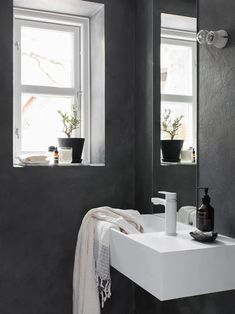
(178, 89)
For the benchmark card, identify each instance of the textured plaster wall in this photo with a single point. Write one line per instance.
(42, 209)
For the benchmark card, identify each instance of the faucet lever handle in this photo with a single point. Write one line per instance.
(169, 195)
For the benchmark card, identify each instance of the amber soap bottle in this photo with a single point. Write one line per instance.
(205, 214)
(56, 156)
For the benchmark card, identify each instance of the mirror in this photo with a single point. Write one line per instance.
(178, 111)
(178, 88)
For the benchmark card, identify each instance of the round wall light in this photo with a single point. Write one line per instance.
(219, 39)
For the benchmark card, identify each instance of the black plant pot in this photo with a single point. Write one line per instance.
(77, 146)
(171, 150)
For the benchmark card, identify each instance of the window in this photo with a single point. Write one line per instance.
(51, 73)
(178, 81)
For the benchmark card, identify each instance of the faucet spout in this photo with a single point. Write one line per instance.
(158, 201)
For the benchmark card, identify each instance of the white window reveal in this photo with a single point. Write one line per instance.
(51, 73)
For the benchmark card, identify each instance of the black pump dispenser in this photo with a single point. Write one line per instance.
(206, 198)
(205, 214)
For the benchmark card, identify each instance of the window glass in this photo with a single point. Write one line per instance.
(51, 73)
(47, 57)
(176, 69)
(40, 122)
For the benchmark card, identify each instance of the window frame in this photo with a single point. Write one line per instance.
(81, 87)
(184, 38)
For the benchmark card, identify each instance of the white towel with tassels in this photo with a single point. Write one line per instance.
(91, 275)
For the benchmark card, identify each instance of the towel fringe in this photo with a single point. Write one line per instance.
(104, 287)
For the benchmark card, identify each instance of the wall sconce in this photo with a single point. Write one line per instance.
(219, 39)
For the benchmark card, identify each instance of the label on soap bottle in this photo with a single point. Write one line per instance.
(204, 223)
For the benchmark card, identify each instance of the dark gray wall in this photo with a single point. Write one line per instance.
(218, 303)
(41, 208)
(217, 127)
(217, 113)
(179, 7)
(144, 106)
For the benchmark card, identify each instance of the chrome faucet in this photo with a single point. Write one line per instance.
(170, 203)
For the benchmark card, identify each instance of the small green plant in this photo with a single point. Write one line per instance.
(169, 126)
(70, 122)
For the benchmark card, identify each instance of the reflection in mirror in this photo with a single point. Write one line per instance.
(178, 111)
(178, 89)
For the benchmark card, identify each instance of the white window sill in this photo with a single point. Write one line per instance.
(21, 165)
(181, 163)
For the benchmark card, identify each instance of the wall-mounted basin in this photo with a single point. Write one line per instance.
(171, 267)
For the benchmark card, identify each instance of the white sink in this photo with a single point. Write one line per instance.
(171, 267)
(156, 223)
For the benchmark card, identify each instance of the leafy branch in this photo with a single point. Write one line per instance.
(70, 122)
(169, 126)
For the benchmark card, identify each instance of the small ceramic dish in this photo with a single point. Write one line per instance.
(204, 237)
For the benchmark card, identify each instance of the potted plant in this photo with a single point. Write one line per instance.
(171, 148)
(71, 122)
